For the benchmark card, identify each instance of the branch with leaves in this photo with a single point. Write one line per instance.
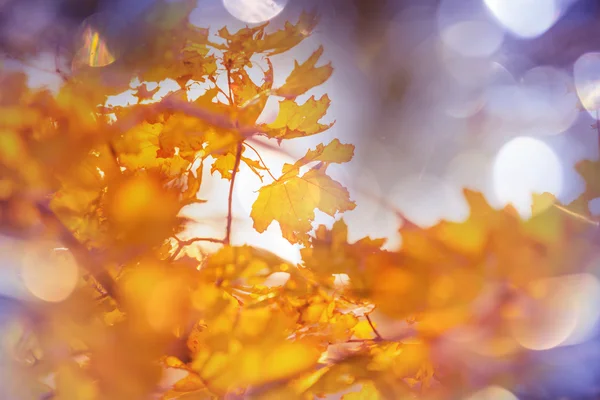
(241, 322)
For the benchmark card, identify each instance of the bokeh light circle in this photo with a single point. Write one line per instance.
(50, 273)
(525, 18)
(492, 393)
(525, 166)
(93, 49)
(586, 74)
(254, 11)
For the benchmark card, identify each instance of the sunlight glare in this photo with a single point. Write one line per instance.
(50, 273)
(525, 18)
(492, 393)
(586, 73)
(255, 11)
(525, 166)
(560, 312)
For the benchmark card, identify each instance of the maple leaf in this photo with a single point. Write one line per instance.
(296, 120)
(189, 388)
(250, 97)
(305, 77)
(368, 391)
(292, 199)
(290, 36)
(590, 172)
(197, 63)
(225, 164)
(142, 92)
(255, 352)
(242, 266)
(330, 253)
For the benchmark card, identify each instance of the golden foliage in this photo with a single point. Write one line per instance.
(110, 182)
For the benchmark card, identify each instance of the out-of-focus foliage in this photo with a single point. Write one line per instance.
(111, 182)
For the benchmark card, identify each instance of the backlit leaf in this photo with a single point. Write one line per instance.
(305, 76)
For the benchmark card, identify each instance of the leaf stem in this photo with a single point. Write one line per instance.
(236, 166)
(372, 325)
(261, 160)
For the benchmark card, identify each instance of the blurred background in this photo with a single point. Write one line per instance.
(499, 96)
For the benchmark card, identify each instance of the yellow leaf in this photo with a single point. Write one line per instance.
(292, 203)
(191, 387)
(224, 164)
(334, 152)
(258, 352)
(72, 383)
(296, 120)
(249, 97)
(288, 37)
(368, 391)
(305, 77)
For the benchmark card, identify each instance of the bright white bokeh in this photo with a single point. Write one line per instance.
(525, 18)
(254, 11)
(492, 393)
(586, 74)
(50, 273)
(525, 166)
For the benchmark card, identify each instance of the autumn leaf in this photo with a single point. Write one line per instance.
(256, 352)
(368, 391)
(352, 320)
(189, 388)
(143, 93)
(590, 172)
(250, 97)
(290, 36)
(242, 266)
(292, 199)
(330, 253)
(305, 76)
(296, 120)
(334, 152)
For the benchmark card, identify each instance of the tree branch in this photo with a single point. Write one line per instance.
(236, 166)
(85, 258)
(368, 317)
(261, 160)
(183, 243)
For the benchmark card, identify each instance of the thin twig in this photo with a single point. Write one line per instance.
(220, 89)
(261, 160)
(236, 166)
(183, 243)
(372, 325)
(580, 217)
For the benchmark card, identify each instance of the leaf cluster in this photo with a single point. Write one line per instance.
(111, 182)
